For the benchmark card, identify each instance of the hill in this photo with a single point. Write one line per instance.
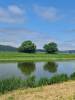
(40, 50)
(7, 48)
(68, 51)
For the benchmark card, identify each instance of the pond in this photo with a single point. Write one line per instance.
(38, 69)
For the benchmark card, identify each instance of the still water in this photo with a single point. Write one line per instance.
(38, 69)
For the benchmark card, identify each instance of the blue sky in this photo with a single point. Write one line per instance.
(41, 21)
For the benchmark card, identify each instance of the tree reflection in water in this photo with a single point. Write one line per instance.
(26, 67)
(51, 67)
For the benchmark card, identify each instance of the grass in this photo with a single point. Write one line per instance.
(16, 83)
(16, 56)
(61, 91)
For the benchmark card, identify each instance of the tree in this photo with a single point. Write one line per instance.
(27, 47)
(51, 47)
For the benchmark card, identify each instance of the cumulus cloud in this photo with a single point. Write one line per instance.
(67, 46)
(14, 37)
(48, 13)
(12, 14)
(17, 35)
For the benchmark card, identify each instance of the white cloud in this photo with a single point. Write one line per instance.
(12, 14)
(16, 35)
(40, 42)
(17, 31)
(15, 10)
(14, 44)
(48, 13)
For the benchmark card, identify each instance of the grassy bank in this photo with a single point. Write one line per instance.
(62, 91)
(14, 83)
(15, 56)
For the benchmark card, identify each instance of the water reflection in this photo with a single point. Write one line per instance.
(26, 67)
(37, 69)
(51, 67)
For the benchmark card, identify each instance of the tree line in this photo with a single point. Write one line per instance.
(30, 47)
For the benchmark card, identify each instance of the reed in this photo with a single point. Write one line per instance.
(17, 83)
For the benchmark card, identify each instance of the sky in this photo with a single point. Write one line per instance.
(41, 21)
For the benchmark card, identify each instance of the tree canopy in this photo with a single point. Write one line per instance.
(51, 47)
(27, 47)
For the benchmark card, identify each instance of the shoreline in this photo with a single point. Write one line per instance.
(61, 91)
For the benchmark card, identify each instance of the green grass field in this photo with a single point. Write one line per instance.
(16, 56)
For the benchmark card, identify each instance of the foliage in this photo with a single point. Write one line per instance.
(30, 82)
(43, 81)
(59, 78)
(27, 47)
(15, 83)
(72, 76)
(51, 47)
(9, 84)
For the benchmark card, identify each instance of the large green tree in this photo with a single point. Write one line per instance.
(51, 47)
(27, 47)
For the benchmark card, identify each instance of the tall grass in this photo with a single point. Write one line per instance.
(17, 83)
(72, 76)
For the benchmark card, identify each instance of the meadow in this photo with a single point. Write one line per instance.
(16, 56)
